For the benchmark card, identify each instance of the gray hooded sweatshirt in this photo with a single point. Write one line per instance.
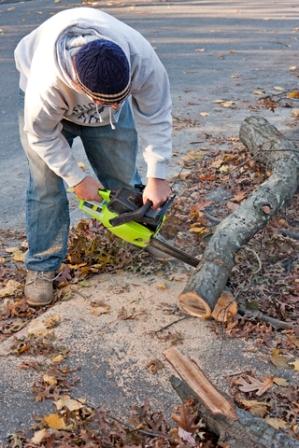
(43, 59)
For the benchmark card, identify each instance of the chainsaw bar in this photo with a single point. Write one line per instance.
(173, 252)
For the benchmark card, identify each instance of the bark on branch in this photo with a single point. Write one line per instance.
(234, 426)
(204, 293)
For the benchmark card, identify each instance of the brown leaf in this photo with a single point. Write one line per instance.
(39, 436)
(199, 230)
(258, 408)
(154, 366)
(124, 314)
(278, 359)
(201, 205)
(276, 423)
(251, 384)
(295, 364)
(293, 94)
(54, 421)
(100, 307)
(207, 177)
(280, 381)
(186, 416)
(52, 321)
(11, 288)
(67, 402)
(51, 380)
(238, 197)
(57, 359)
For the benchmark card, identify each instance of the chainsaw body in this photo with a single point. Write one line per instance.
(122, 212)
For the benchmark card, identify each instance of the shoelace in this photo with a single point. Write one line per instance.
(41, 275)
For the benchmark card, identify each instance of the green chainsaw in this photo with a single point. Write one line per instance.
(123, 213)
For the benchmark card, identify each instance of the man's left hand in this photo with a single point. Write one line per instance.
(157, 191)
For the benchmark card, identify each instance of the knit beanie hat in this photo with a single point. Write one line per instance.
(103, 71)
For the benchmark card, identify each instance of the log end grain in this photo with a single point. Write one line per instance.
(226, 307)
(193, 304)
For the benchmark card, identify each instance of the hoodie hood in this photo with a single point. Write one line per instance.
(69, 43)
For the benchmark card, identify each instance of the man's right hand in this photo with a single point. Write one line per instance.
(88, 188)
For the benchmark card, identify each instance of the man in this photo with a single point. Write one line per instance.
(83, 73)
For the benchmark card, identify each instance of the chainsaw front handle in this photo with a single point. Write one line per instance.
(131, 216)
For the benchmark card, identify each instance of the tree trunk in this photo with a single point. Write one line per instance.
(234, 426)
(204, 293)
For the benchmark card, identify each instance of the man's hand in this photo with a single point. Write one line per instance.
(88, 188)
(157, 191)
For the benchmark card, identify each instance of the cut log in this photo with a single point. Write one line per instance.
(204, 294)
(235, 427)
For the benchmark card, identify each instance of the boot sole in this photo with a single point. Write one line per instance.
(38, 304)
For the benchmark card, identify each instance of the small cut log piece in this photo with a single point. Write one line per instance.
(205, 294)
(235, 427)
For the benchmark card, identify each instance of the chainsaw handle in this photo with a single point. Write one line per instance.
(131, 216)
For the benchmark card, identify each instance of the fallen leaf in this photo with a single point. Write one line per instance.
(154, 366)
(57, 358)
(293, 68)
(11, 250)
(293, 94)
(258, 408)
(193, 155)
(11, 288)
(204, 114)
(38, 329)
(100, 307)
(224, 169)
(251, 384)
(278, 359)
(51, 380)
(18, 256)
(162, 286)
(259, 92)
(238, 197)
(295, 364)
(218, 101)
(279, 88)
(67, 402)
(295, 113)
(39, 436)
(199, 230)
(276, 423)
(207, 177)
(52, 321)
(186, 417)
(280, 381)
(186, 436)
(201, 205)
(54, 421)
(2, 260)
(229, 104)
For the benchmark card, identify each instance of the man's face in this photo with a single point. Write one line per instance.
(114, 106)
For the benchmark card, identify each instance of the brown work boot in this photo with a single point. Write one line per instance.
(39, 288)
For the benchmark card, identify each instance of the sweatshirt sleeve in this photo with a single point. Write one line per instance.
(44, 110)
(152, 111)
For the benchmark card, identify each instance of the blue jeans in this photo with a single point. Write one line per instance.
(112, 155)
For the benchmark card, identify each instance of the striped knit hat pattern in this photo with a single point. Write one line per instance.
(103, 71)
